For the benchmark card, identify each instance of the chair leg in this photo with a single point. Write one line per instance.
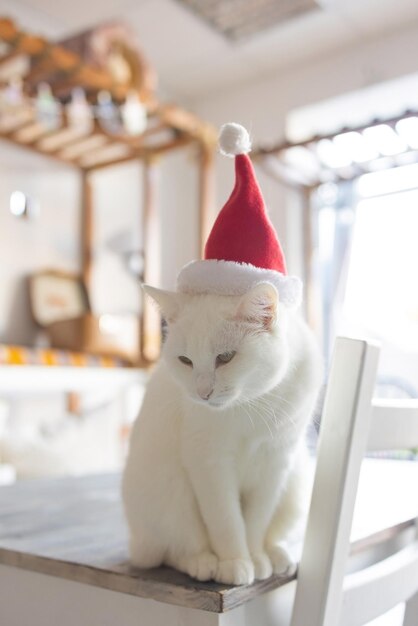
(411, 612)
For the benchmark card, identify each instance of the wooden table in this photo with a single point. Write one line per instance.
(63, 558)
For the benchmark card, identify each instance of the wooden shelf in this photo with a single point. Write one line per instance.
(21, 128)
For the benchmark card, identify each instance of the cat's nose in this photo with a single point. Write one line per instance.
(204, 386)
(205, 395)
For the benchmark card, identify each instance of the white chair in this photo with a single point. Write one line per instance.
(352, 423)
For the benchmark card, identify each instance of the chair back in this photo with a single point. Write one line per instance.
(352, 423)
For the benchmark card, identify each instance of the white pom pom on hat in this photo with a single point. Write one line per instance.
(234, 139)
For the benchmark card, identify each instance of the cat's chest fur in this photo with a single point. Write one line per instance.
(256, 458)
(241, 439)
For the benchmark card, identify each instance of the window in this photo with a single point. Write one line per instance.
(368, 247)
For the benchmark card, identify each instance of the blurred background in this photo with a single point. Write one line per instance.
(109, 176)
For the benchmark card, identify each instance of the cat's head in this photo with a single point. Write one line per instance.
(225, 350)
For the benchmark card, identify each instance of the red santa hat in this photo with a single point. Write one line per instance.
(243, 248)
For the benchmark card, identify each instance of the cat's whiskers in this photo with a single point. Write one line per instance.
(264, 416)
(250, 416)
(260, 414)
(276, 418)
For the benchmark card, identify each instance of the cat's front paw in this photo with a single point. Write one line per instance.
(281, 560)
(201, 566)
(262, 566)
(235, 572)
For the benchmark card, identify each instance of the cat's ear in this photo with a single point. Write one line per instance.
(259, 306)
(168, 301)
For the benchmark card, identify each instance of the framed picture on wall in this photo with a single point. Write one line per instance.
(56, 295)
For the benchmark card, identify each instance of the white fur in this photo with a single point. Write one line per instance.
(230, 278)
(214, 486)
(234, 139)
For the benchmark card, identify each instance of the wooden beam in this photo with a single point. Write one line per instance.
(20, 41)
(144, 153)
(284, 145)
(61, 139)
(188, 123)
(82, 146)
(111, 162)
(150, 319)
(206, 192)
(179, 142)
(167, 146)
(9, 56)
(115, 151)
(8, 31)
(31, 133)
(55, 157)
(87, 229)
(11, 123)
(135, 142)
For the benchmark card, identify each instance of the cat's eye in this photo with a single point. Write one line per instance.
(225, 357)
(186, 361)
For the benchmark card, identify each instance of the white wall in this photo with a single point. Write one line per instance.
(178, 201)
(117, 194)
(27, 245)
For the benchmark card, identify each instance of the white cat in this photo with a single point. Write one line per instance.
(216, 474)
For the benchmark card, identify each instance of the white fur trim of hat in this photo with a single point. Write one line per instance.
(227, 278)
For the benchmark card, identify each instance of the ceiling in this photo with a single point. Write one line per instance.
(193, 60)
